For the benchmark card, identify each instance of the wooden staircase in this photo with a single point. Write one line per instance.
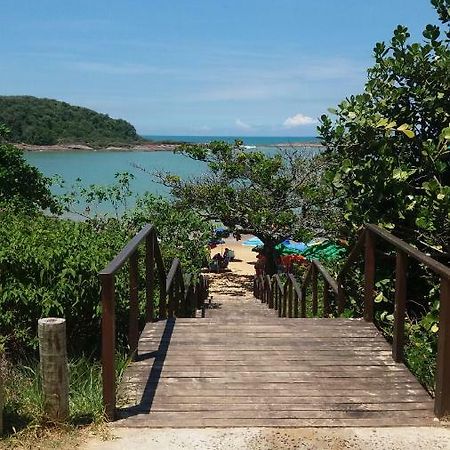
(244, 366)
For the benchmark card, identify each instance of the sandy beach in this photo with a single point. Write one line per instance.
(244, 258)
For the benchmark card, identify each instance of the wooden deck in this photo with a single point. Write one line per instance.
(243, 366)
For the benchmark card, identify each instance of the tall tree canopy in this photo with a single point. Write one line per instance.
(389, 146)
(270, 196)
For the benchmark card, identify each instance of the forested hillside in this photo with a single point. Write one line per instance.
(43, 121)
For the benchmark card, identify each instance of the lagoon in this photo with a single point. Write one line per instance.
(99, 167)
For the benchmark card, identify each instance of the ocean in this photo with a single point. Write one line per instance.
(100, 167)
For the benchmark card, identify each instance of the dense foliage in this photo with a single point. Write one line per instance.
(182, 232)
(389, 155)
(42, 121)
(270, 196)
(21, 185)
(49, 267)
(389, 146)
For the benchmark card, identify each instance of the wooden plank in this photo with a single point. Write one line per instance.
(162, 422)
(244, 366)
(361, 398)
(293, 407)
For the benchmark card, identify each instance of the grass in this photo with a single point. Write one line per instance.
(25, 422)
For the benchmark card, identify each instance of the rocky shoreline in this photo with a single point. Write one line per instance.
(140, 147)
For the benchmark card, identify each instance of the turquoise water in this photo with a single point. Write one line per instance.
(99, 167)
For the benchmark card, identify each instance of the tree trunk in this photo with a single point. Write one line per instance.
(54, 371)
(271, 256)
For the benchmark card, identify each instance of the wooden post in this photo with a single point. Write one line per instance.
(369, 276)
(290, 298)
(400, 305)
(296, 304)
(314, 289)
(133, 324)
(442, 393)
(279, 300)
(149, 276)
(53, 364)
(285, 300)
(108, 345)
(326, 299)
(303, 302)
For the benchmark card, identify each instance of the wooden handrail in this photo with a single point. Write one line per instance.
(326, 276)
(184, 298)
(367, 242)
(437, 267)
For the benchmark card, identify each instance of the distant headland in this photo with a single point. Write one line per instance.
(47, 125)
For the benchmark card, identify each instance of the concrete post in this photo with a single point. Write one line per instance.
(54, 370)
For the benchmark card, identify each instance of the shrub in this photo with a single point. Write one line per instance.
(48, 267)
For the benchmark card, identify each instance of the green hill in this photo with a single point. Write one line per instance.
(42, 121)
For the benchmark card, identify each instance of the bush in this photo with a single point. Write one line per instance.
(49, 267)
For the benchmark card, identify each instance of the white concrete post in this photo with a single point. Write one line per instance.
(54, 370)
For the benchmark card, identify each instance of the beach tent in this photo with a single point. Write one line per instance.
(326, 251)
(253, 242)
(289, 247)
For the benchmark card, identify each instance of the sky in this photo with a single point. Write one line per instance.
(199, 67)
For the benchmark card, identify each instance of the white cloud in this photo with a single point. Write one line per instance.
(298, 120)
(242, 125)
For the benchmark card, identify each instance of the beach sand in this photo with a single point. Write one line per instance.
(244, 258)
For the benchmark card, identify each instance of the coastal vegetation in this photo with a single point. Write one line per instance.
(386, 161)
(49, 267)
(388, 151)
(271, 196)
(42, 121)
(21, 185)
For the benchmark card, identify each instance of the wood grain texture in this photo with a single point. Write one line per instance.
(244, 366)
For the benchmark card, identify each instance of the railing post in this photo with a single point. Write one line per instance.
(326, 299)
(270, 292)
(400, 305)
(161, 280)
(133, 323)
(274, 294)
(296, 301)
(171, 302)
(369, 275)
(280, 300)
(285, 300)
(314, 289)
(108, 345)
(442, 392)
(149, 276)
(290, 297)
(303, 302)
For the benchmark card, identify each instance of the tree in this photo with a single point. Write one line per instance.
(389, 146)
(22, 185)
(270, 196)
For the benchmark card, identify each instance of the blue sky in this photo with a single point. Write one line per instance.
(208, 67)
